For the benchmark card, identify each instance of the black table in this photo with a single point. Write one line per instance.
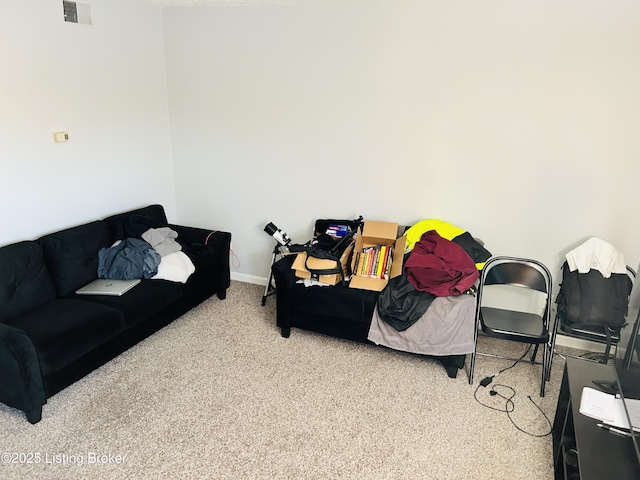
(600, 453)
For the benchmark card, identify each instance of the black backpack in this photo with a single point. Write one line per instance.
(591, 300)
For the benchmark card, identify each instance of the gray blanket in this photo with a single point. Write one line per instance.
(446, 328)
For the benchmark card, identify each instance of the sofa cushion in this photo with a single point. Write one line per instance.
(135, 222)
(24, 280)
(142, 301)
(63, 330)
(72, 255)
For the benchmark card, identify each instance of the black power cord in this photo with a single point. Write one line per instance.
(509, 405)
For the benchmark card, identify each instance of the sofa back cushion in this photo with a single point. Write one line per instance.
(72, 255)
(24, 280)
(135, 222)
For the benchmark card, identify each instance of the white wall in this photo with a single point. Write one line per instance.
(103, 83)
(517, 121)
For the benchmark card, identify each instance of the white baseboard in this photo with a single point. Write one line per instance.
(242, 277)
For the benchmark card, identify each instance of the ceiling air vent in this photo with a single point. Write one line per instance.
(76, 12)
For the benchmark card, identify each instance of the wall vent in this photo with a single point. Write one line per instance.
(75, 12)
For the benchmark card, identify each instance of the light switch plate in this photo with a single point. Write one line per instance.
(60, 136)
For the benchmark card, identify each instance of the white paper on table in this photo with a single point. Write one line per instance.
(620, 416)
(598, 405)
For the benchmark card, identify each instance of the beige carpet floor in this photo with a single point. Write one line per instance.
(219, 394)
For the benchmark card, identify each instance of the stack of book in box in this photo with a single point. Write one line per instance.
(374, 262)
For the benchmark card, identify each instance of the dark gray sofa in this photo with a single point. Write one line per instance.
(51, 337)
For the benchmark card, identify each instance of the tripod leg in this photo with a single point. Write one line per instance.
(268, 289)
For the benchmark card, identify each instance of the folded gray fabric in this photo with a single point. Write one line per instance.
(163, 240)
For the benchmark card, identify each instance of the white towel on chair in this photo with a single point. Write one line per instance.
(598, 255)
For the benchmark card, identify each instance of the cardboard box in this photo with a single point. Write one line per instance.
(378, 233)
(321, 264)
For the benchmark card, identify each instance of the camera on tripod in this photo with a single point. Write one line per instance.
(282, 247)
(281, 237)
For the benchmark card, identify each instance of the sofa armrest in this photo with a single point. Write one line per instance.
(20, 374)
(283, 274)
(208, 249)
(195, 235)
(284, 278)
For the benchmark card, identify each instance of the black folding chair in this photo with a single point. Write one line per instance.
(519, 311)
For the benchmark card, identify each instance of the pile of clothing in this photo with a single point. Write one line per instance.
(430, 308)
(152, 253)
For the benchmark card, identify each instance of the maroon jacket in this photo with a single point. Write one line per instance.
(440, 267)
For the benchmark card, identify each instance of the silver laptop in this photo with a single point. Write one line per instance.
(103, 286)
